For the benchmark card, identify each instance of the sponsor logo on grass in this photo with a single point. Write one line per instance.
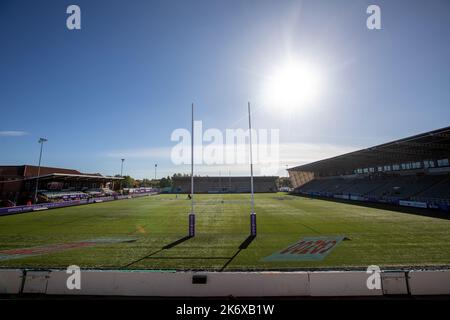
(307, 249)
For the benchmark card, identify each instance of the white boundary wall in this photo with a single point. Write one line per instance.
(341, 283)
(429, 282)
(167, 284)
(224, 284)
(10, 281)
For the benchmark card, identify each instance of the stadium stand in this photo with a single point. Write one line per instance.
(413, 171)
(18, 184)
(438, 193)
(50, 196)
(224, 184)
(100, 192)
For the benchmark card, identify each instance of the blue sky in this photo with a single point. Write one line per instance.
(120, 86)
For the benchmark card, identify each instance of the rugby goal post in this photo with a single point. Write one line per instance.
(252, 196)
(191, 231)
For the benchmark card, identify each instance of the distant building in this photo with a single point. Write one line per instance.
(18, 183)
(224, 184)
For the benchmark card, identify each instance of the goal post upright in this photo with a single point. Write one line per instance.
(252, 196)
(192, 213)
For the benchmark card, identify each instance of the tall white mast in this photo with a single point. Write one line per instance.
(251, 160)
(252, 213)
(192, 214)
(192, 158)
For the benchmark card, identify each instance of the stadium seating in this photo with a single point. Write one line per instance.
(439, 191)
(99, 192)
(224, 184)
(404, 187)
(388, 187)
(62, 195)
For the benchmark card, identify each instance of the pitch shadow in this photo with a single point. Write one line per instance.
(166, 247)
(247, 242)
(175, 243)
(242, 246)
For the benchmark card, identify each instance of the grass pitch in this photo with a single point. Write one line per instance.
(381, 237)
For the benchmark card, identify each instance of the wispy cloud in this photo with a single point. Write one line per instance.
(141, 153)
(290, 155)
(13, 133)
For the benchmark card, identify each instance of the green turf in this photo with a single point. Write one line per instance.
(380, 237)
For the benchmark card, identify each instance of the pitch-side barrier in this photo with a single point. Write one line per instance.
(225, 284)
(70, 203)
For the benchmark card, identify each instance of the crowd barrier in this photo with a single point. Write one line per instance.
(393, 201)
(53, 205)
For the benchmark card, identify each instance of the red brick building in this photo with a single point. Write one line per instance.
(18, 183)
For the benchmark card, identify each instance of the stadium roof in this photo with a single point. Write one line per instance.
(66, 176)
(28, 172)
(426, 146)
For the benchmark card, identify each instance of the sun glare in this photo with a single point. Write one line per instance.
(293, 85)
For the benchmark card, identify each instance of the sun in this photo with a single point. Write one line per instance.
(293, 85)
